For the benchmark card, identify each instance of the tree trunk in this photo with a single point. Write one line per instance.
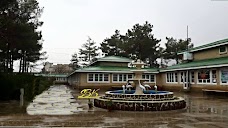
(176, 58)
(7, 58)
(150, 62)
(11, 61)
(4, 65)
(27, 66)
(20, 65)
(24, 64)
(89, 56)
(161, 61)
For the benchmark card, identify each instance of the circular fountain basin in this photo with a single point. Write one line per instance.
(129, 95)
(150, 100)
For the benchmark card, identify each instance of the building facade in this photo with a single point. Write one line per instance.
(50, 68)
(58, 72)
(202, 67)
(107, 72)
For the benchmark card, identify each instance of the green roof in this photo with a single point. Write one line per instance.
(114, 59)
(210, 45)
(112, 69)
(215, 62)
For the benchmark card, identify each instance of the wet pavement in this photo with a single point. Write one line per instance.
(57, 100)
(201, 112)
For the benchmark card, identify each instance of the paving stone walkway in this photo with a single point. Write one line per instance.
(57, 100)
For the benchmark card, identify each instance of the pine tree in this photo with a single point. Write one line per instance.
(20, 39)
(114, 45)
(141, 44)
(88, 52)
(173, 46)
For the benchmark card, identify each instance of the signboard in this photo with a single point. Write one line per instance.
(89, 93)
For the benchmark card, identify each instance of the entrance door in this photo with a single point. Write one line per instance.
(185, 80)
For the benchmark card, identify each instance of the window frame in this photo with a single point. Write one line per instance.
(210, 77)
(123, 75)
(148, 76)
(220, 76)
(98, 78)
(190, 74)
(224, 51)
(173, 76)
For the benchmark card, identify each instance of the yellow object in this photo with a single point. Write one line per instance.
(89, 93)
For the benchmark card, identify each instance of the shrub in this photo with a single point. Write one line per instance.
(10, 85)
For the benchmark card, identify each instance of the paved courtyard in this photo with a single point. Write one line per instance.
(201, 112)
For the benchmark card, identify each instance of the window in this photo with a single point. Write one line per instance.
(97, 77)
(90, 77)
(106, 77)
(124, 77)
(224, 76)
(171, 77)
(207, 76)
(204, 76)
(130, 76)
(115, 77)
(100, 77)
(222, 50)
(214, 76)
(150, 77)
(121, 77)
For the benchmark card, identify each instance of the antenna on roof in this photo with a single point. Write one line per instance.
(187, 39)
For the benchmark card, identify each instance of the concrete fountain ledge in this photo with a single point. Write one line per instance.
(150, 100)
(176, 103)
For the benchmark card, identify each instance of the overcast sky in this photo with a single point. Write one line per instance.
(68, 23)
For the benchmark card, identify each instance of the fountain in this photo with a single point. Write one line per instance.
(139, 99)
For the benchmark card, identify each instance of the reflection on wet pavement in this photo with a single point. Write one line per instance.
(57, 100)
(201, 112)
